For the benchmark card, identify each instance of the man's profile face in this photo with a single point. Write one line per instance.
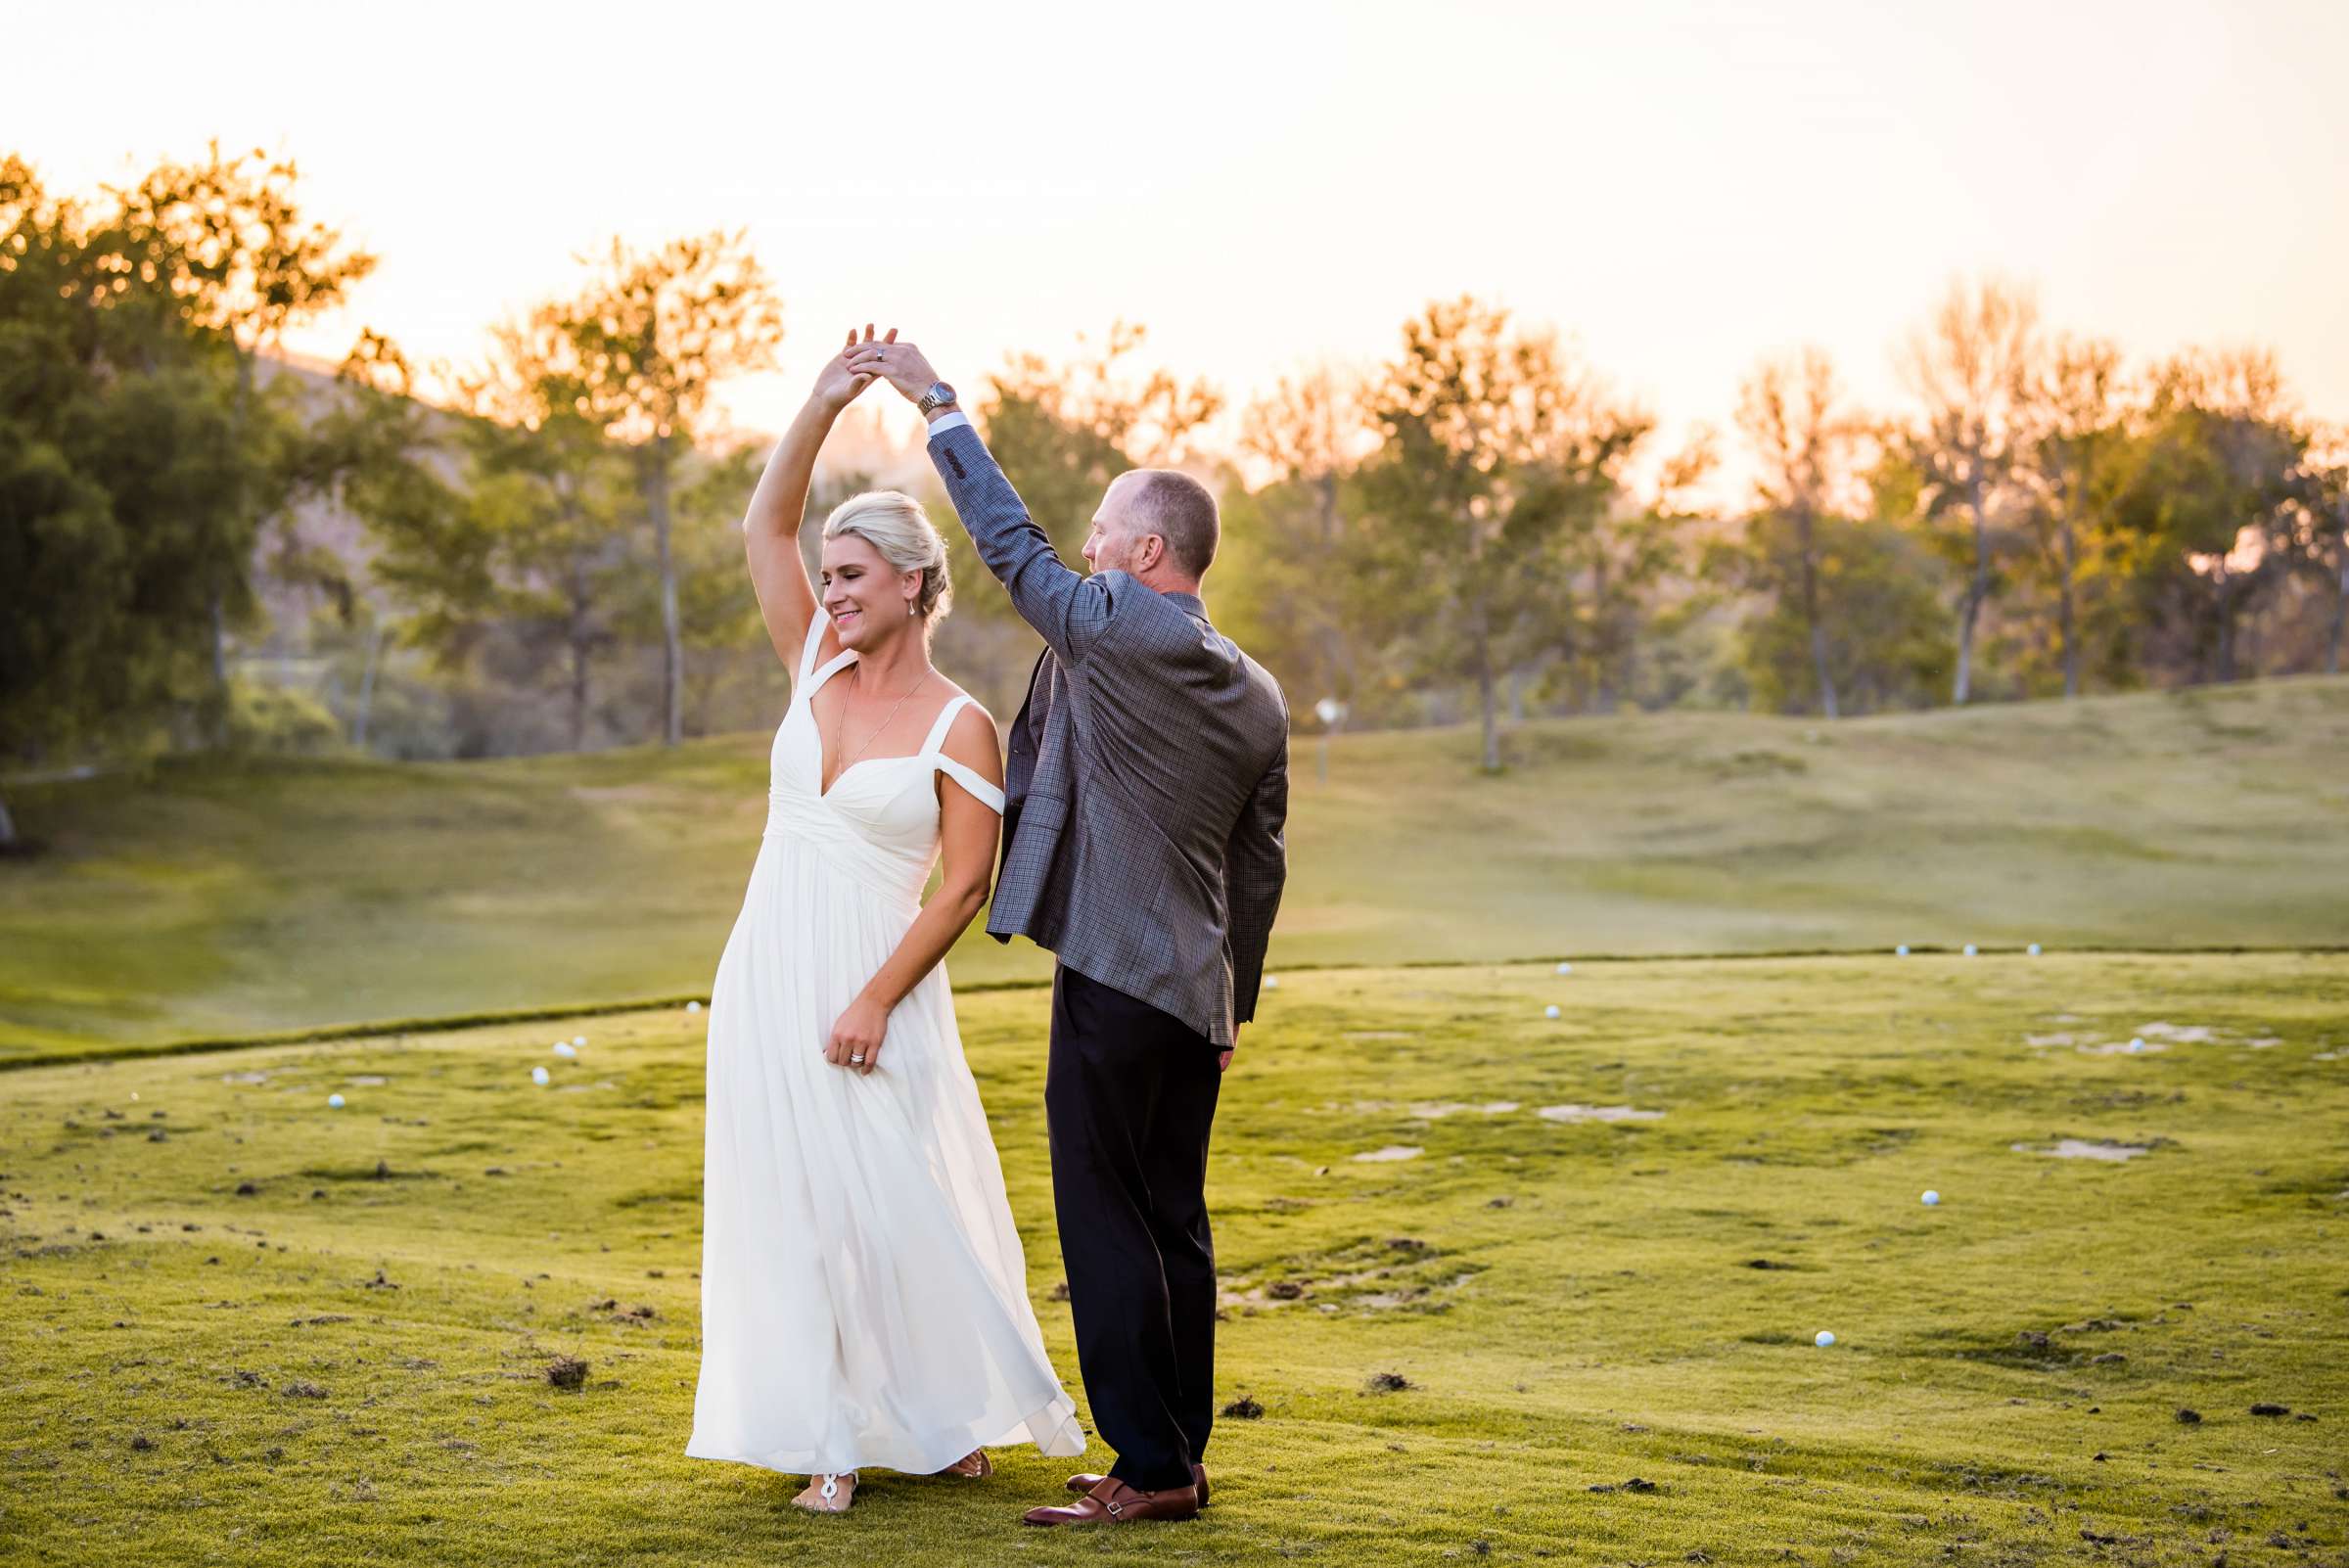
(1110, 545)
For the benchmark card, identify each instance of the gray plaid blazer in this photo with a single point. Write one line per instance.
(1148, 783)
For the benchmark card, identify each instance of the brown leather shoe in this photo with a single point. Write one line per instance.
(1113, 1502)
(1086, 1483)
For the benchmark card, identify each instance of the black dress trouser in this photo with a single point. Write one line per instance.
(1129, 1095)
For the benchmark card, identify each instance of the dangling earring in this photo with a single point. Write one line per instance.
(912, 609)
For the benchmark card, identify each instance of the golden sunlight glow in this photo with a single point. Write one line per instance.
(1680, 186)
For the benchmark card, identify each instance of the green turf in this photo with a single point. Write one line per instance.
(229, 900)
(1571, 1305)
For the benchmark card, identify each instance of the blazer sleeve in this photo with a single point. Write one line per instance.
(1256, 866)
(1068, 609)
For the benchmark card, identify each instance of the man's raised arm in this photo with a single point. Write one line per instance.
(1067, 609)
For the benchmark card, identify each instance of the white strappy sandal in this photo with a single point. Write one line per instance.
(826, 1494)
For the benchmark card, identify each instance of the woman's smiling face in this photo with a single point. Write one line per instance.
(865, 598)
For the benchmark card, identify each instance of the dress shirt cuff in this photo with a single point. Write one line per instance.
(957, 420)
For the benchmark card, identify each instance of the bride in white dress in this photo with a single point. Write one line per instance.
(864, 1300)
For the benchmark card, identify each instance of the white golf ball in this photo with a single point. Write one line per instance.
(580, 1040)
(1272, 983)
(693, 1006)
(2033, 949)
(2136, 1046)
(334, 1102)
(1565, 969)
(1822, 1339)
(542, 1077)
(1551, 1011)
(1902, 950)
(564, 1048)
(1970, 950)
(1932, 1200)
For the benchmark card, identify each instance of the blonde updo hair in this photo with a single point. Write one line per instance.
(895, 524)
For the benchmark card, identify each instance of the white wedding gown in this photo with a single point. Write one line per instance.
(864, 1300)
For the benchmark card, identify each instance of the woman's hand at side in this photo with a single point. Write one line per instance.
(858, 1035)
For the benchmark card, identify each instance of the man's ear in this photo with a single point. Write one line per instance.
(1149, 553)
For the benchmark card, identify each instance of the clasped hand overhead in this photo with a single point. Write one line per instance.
(868, 358)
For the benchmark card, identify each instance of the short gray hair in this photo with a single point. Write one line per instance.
(895, 524)
(1182, 511)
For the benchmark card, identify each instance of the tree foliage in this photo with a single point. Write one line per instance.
(651, 337)
(1493, 444)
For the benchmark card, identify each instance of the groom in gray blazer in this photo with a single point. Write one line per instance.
(1142, 844)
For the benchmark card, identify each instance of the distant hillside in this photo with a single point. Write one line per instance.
(216, 899)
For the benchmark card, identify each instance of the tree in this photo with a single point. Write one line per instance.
(511, 514)
(228, 237)
(2074, 430)
(1606, 557)
(117, 476)
(1490, 439)
(1629, 589)
(652, 335)
(717, 610)
(1789, 410)
(1878, 586)
(1065, 431)
(2329, 510)
(2214, 488)
(1968, 366)
(53, 655)
(1299, 531)
(550, 492)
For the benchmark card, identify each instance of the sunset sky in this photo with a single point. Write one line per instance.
(1679, 186)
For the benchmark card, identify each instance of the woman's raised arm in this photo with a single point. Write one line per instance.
(771, 528)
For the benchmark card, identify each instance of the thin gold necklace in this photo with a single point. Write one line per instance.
(840, 724)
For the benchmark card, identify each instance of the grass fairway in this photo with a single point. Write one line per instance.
(346, 1363)
(231, 901)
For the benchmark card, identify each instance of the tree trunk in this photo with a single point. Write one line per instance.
(1602, 637)
(1811, 617)
(1965, 648)
(2066, 616)
(672, 649)
(7, 828)
(2340, 614)
(1485, 700)
(2223, 659)
(1340, 664)
(579, 694)
(240, 411)
(375, 649)
(216, 705)
(1977, 592)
